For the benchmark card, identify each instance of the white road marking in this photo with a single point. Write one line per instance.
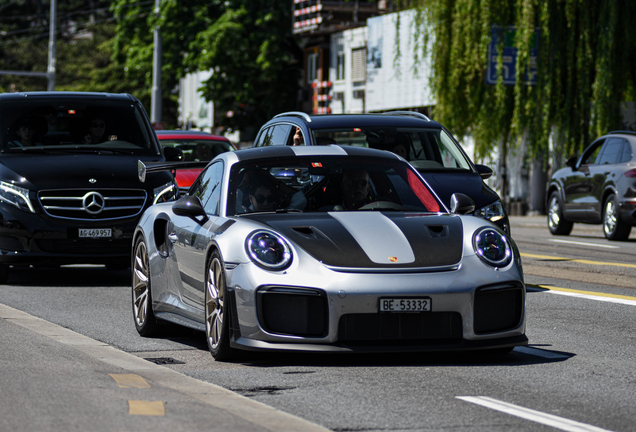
(595, 297)
(532, 415)
(585, 244)
(540, 353)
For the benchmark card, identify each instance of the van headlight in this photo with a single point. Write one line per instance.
(268, 250)
(16, 196)
(165, 193)
(492, 247)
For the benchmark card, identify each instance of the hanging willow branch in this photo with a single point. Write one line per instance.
(585, 69)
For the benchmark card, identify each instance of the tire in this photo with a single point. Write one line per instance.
(556, 222)
(613, 227)
(145, 320)
(217, 310)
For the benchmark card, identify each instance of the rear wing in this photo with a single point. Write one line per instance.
(144, 169)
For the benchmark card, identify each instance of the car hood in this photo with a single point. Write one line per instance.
(53, 171)
(469, 183)
(372, 239)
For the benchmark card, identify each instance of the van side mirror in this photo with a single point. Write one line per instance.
(484, 171)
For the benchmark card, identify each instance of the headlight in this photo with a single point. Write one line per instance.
(268, 250)
(492, 212)
(16, 196)
(165, 193)
(492, 247)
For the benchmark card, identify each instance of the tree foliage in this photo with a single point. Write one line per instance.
(586, 54)
(84, 31)
(247, 44)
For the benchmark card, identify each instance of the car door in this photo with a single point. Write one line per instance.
(192, 236)
(578, 188)
(603, 175)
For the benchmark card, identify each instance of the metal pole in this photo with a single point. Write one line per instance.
(155, 111)
(50, 74)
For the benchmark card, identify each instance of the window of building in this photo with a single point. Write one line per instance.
(358, 64)
(312, 67)
(340, 66)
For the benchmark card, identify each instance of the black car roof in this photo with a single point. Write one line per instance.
(354, 120)
(286, 151)
(66, 95)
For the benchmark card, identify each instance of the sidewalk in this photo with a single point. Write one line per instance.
(80, 379)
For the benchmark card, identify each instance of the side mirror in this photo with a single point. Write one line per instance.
(462, 204)
(484, 171)
(190, 206)
(571, 162)
(173, 154)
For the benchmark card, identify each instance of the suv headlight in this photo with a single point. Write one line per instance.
(268, 250)
(492, 247)
(16, 196)
(492, 212)
(165, 193)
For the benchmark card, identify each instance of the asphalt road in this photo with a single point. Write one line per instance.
(576, 375)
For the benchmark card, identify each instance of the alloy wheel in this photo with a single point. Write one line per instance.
(140, 284)
(214, 304)
(609, 221)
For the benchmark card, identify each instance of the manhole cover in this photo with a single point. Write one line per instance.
(164, 360)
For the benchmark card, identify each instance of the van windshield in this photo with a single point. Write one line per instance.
(75, 124)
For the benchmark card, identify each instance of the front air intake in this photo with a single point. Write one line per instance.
(293, 311)
(498, 308)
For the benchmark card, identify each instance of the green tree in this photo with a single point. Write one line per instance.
(255, 59)
(84, 37)
(248, 44)
(586, 53)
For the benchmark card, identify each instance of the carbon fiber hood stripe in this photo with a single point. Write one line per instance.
(373, 239)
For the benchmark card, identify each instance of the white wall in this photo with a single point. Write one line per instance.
(390, 84)
(194, 111)
(346, 42)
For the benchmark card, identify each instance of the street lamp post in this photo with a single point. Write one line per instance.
(155, 111)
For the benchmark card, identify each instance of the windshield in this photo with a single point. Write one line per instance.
(431, 149)
(74, 125)
(197, 149)
(328, 183)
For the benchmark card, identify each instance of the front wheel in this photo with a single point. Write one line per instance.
(217, 311)
(556, 222)
(145, 320)
(613, 228)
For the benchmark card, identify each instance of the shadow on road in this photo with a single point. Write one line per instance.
(68, 276)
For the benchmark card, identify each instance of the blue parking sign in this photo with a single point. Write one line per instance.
(509, 57)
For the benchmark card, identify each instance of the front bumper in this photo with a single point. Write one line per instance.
(342, 314)
(31, 238)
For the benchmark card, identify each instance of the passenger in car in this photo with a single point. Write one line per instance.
(25, 131)
(97, 131)
(298, 137)
(265, 193)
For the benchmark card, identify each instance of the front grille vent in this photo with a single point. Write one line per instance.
(93, 204)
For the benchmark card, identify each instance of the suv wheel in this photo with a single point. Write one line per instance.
(613, 228)
(556, 222)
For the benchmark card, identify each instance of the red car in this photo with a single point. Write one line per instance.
(196, 146)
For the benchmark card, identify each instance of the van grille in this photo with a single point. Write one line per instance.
(93, 204)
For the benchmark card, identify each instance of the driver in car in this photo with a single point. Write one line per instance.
(356, 191)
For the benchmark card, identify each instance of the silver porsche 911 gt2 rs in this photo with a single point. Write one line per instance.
(324, 249)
